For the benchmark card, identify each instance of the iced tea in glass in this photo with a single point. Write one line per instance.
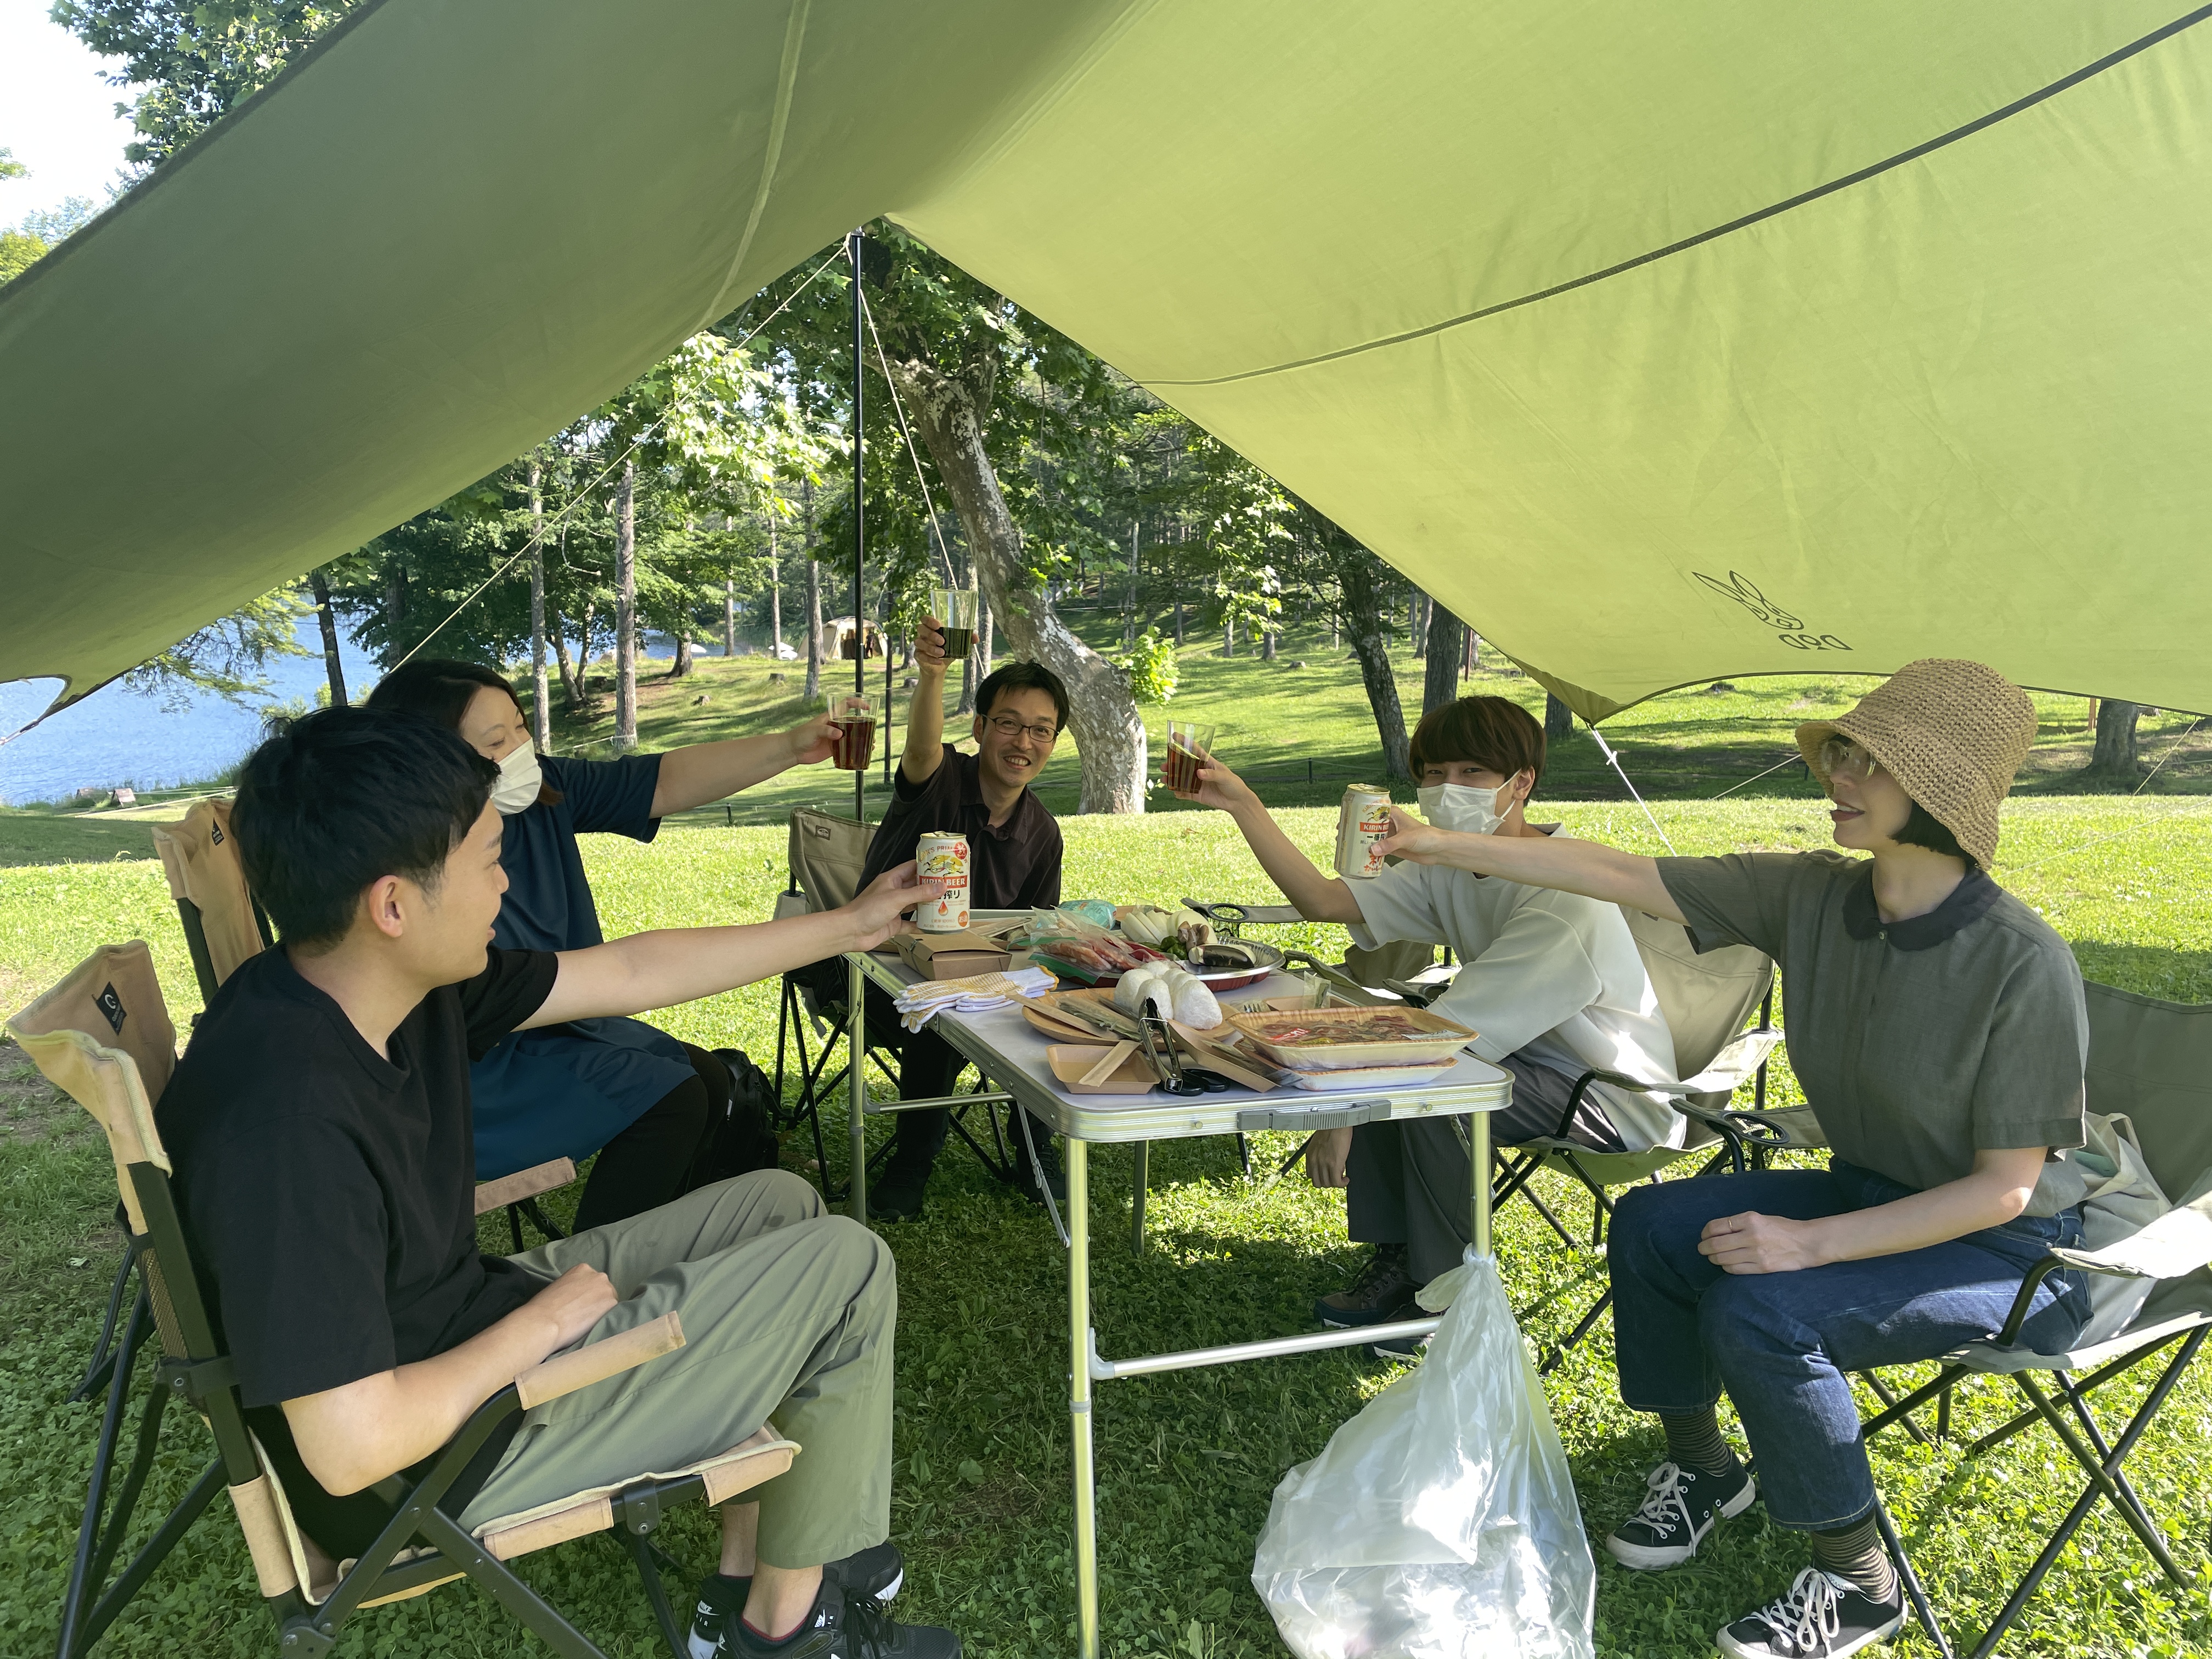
(855, 718)
(957, 613)
(1189, 746)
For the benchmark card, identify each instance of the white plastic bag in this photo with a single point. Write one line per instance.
(1440, 1522)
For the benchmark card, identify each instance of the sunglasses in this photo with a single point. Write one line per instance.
(1840, 756)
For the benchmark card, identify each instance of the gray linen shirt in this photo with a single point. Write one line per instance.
(1918, 1043)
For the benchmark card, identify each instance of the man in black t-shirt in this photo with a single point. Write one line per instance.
(1014, 856)
(320, 1128)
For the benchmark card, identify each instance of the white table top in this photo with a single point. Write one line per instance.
(1011, 1051)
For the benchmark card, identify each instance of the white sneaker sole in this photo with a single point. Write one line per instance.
(1644, 1558)
(1874, 1639)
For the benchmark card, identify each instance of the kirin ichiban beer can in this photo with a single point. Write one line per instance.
(940, 855)
(1362, 822)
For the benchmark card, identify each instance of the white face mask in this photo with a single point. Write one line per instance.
(520, 779)
(1460, 806)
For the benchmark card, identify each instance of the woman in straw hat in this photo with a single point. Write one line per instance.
(1937, 1026)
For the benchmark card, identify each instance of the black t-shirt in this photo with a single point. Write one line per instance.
(328, 1194)
(1014, 866)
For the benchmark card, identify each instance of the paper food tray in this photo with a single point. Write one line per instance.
(1405, 1037)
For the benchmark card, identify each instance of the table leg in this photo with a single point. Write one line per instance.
(1144, 1151)
(856, 1084)
(1478, 1180)
(1078, 1396)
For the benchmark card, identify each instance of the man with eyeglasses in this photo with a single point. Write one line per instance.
(1014, 854)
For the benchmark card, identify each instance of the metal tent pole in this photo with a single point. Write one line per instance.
(856, 1019)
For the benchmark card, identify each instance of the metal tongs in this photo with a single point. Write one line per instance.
(1160, 1055)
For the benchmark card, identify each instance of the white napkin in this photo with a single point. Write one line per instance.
(922, 1001)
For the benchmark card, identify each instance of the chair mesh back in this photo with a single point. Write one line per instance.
(200, 858)
(826, 855)
(103, 1037)
(2152, 1060)
(1704, 998)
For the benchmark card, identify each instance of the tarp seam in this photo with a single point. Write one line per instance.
(1979, 123)
(795, 33)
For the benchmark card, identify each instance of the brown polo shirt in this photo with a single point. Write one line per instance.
(1014, 866)
(1921, 1042)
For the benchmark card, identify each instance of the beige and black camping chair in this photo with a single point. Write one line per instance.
(225, 925)
(827, 853)
(1707, 999)
(2150, 1064)
(104, 1037)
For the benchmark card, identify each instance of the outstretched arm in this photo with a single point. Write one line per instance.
(1318, 897)
(1588, 867)
(678, 964)
(925, 711)
(703, 772)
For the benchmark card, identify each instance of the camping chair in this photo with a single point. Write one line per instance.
(826, 855)
(225, 925)
(2150, 1061)
(1706, 998)
(103, 1037)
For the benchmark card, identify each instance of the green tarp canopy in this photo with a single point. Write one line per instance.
(1661, 342)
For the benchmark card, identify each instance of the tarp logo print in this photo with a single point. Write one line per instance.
(1787, 628)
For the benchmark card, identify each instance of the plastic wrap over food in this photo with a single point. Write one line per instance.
(1440, 1522)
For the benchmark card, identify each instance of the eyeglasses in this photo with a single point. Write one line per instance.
(1007, 726)
(1841, 756)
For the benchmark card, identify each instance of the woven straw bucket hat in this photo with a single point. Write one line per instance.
(1952, 733)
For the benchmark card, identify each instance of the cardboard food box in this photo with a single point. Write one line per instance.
(952, 956)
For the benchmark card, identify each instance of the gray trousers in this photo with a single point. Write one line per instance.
(1409, 1179)
(787, 1315)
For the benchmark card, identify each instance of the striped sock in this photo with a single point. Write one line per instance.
(1694, 1440)
(1856, 1553)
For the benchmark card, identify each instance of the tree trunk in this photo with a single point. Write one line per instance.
(1445, 644)
(626, 608)
(813, 602)
(571, 687)
(1474, 655)
(1423, 622)
(1228, 636)
(584, 650)
(333, 665)
(540, 692)
(1129, 627)
(1178, 622)
(2114, 756)
(1358, 575)
(729, 617)
(1103, 713)
(682, 665)
(1559, 719)
(395, 602)
(987, 649)
(1267, 646)
(775, 598)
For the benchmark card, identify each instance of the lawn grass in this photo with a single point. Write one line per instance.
(1186, 1462)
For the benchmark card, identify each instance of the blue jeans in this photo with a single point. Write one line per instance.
(1781, 1343)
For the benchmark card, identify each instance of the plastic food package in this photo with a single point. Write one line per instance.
(1440, 1522)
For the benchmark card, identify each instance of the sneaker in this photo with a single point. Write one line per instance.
(896, 1195)
(1822, 1617)
(1384, 1285)
(1407, 1348)
(843, 1626)
(1681, 1507)
(878, 1572)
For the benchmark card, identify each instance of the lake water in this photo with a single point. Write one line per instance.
(118, 736)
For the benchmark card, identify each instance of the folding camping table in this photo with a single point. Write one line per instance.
(1012, 1052)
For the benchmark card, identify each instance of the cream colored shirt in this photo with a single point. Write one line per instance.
(1552, 976)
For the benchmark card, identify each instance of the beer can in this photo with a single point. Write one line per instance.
(1363, 821)
(942, 855)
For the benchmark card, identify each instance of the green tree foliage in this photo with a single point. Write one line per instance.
(227, 657)
(197, 59)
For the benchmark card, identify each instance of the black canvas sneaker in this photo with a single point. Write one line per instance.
(1682, 1506)
(876, 1572)
(1383, 1286)
(1821, 1617)
(843, 1626)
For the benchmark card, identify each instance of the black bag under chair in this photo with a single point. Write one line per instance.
(103, 1037)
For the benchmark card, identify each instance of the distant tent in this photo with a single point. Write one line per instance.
(1662, 343)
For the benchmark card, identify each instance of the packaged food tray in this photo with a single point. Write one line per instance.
(1343, 1039)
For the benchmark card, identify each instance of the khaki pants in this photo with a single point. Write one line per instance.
(787, 1315)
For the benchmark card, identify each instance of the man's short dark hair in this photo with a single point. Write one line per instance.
(1022, 677)
(334, 800)
(1495, 733)
(1924, 828)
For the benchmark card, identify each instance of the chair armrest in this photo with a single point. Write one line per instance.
(522, 1183)
(2173, 1246)
(579, 1368)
